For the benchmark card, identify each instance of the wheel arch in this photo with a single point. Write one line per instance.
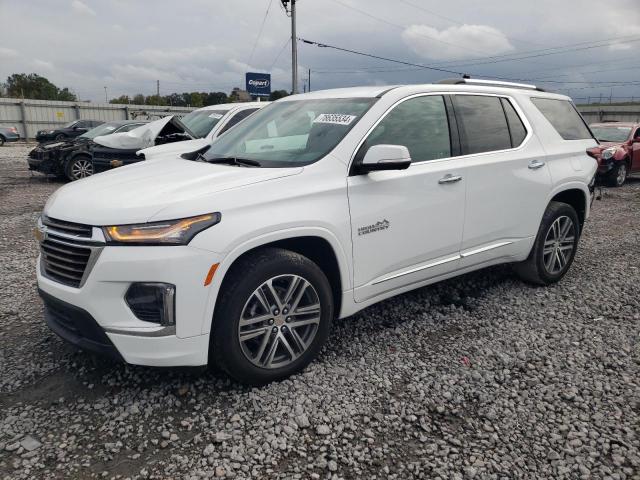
(319, 245)
(575, 196)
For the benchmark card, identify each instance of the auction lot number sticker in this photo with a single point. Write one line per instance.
(335, 118)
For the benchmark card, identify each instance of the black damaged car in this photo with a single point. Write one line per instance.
(70, 130)
(72, 159)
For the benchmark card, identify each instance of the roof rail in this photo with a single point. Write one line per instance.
(491, 83)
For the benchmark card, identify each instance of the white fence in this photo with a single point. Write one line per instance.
(29, 116)
(610, 113)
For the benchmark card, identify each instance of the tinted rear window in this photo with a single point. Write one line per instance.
(563, 116)
(482, 124)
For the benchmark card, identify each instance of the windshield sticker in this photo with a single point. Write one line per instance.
(335, 118)
(216, 116)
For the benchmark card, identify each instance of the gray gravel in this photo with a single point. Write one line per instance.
(479, 377)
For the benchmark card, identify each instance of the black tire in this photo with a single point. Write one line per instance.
(618, 175)
(534, 269)
(2, 140)
(60, 137)
(237, 293)
(78, 167)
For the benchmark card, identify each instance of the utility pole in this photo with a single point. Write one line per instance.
(294, 44)
(105, 95)
(309, 80)
(158, 92)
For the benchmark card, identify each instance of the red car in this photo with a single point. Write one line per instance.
(619, 152)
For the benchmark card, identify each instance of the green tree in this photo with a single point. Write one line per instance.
(276, 94)
(155, 100)
(215, 98)
(34, 86)
(196, 99)
(138, 99)
(176, 100)
(122, 99)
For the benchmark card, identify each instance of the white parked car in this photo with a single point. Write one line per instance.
(313, 208)
(207, 124)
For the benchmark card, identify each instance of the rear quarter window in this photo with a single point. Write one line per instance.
(564, 117)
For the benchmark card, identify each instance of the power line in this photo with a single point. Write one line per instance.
(275, 60)
(427, 67)
(544, 52)
(255, 44)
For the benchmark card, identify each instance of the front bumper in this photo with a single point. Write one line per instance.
(100, 302)
(77, 327)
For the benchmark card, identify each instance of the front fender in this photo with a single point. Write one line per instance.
(265, 239)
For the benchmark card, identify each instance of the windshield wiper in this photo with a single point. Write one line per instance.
(245, 162)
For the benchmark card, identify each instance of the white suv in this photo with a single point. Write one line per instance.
(313, 208)
(207, 124)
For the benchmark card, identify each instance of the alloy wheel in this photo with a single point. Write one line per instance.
(558, 245)
(81, 168)
(279, 321)
(622, 174)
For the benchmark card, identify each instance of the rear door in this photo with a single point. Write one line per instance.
(406, 225)
(508, 180)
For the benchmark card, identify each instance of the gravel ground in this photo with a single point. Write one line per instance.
(479, 377)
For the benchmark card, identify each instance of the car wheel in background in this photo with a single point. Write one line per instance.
(1, 140)
(79, 167)
(618, 175)
(273, 315)
(60, 137)
(554, 248)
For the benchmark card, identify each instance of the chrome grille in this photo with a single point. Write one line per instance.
(70, 228)
(64, 260)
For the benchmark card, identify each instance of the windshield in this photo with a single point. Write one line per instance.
(70, 124)
(291, 133)
(202, 122)
(611, 134)
(104, 129)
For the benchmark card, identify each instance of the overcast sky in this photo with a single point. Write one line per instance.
(207, 45)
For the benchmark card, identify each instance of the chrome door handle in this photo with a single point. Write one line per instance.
(536, 164)
(448, 178)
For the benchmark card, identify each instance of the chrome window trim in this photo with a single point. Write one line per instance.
(511, 99)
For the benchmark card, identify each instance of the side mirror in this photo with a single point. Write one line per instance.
(385, 157)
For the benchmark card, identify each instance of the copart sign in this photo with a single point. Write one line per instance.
(258, 84)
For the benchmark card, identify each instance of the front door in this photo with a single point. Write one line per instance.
(406, 225)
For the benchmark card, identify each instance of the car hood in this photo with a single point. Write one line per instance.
(140, 192)
(141, 137)
(172, 150)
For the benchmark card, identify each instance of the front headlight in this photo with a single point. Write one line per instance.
(169, 232)
(608, 153)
